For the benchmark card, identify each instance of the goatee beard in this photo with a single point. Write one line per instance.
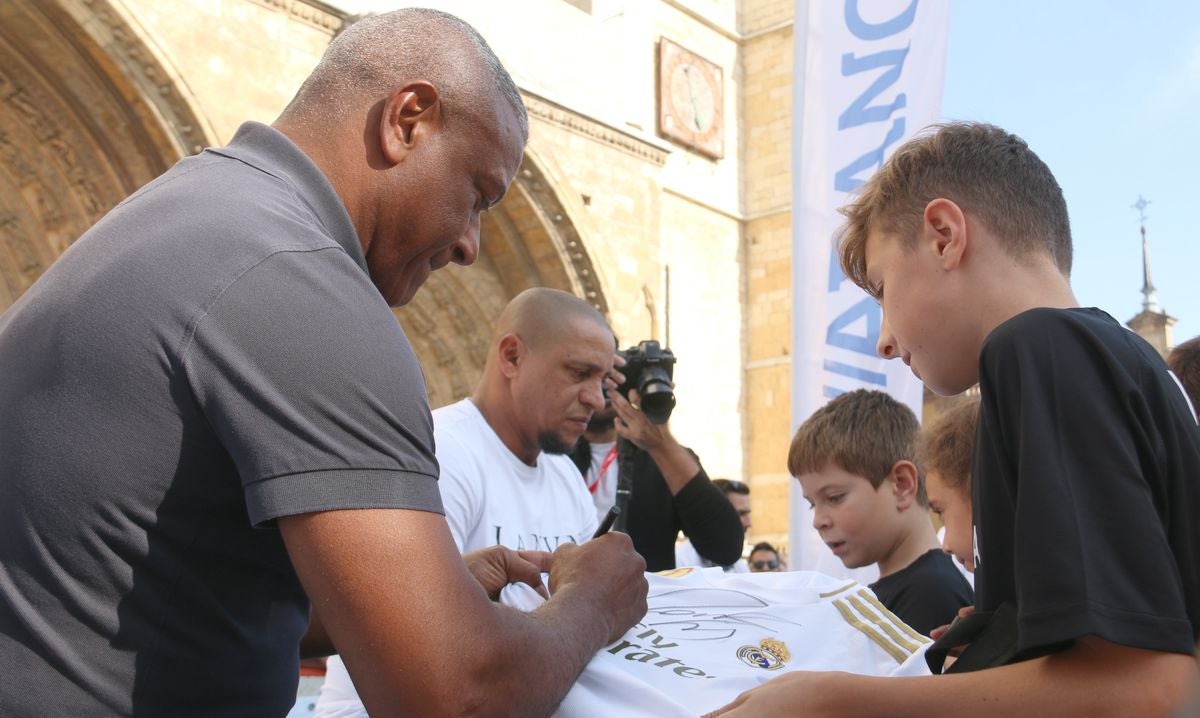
(551, 443)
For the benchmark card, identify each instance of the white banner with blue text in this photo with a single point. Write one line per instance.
(868, 75)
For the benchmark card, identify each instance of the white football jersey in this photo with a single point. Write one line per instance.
(708, 636)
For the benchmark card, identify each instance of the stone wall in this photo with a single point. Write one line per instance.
(604, 206)
(767, 128)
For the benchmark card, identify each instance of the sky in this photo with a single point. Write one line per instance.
(1107, 93)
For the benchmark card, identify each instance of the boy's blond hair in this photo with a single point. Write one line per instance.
(864, 432)
(984, 170)
(948, 441)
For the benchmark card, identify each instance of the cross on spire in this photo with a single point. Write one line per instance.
(1149, 296)
(1141, 206)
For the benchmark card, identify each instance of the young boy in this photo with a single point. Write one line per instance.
(854, 458)
(1086, 463)
(945, 457)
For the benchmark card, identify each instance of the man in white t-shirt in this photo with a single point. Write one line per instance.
(506, 478)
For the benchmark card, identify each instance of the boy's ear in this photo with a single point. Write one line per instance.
(945, 229)
(905, 481)
(408, 112)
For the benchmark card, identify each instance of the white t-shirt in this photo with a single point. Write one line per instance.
(601, 477)
(491, 498)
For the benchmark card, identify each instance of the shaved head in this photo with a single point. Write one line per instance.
(379, 52)
(545, 371)
(541, 316)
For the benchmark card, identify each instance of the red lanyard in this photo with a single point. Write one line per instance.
(610, 457)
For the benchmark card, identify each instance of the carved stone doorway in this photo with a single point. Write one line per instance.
(87, 115)
(89, 112)
(528, 240)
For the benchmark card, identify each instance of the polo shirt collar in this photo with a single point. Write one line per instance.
(269, 150)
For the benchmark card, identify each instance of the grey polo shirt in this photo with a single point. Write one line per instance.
(212, 355)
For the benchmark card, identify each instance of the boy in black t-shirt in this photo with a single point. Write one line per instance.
(1086, 471)
(854, 458)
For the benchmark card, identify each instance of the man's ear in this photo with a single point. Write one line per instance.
(945, 231)
(511, 352)
(409, 112)
(904, 483)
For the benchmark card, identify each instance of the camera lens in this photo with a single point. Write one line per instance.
(657, 398)
(648, 368)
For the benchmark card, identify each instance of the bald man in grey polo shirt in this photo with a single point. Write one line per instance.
(210, 416)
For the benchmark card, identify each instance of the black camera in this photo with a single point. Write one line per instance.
(648, 368)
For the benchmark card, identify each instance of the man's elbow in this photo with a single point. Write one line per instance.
(1142, 683)
(725, 546)
(725, 552)
(1170, 688)
(728, 557)
(463, 681)
(448, 695)
(481, 685)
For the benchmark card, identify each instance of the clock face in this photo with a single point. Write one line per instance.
(691, 100)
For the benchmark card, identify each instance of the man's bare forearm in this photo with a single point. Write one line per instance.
(418, 633)
(535, 658)
(1064, 685)
(541, 655)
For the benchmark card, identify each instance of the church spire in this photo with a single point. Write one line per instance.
(1152, 323)
(1149, 296)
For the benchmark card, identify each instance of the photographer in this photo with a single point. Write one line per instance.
(671, 491)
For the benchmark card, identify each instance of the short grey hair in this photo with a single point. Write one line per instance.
(372, 53)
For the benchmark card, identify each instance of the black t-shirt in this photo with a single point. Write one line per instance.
(1086, 481)
(925, 594)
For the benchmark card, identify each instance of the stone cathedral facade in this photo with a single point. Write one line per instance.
(674, 237)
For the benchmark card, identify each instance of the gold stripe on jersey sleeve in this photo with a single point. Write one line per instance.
(883, 623)
(892, 649)
(874, 601)
(836, 591)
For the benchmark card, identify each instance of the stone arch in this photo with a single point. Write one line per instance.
(88, 113)
(531, 239)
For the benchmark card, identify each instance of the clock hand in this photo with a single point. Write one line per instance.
(692, 94)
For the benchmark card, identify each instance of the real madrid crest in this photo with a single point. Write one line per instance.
(769, 654)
